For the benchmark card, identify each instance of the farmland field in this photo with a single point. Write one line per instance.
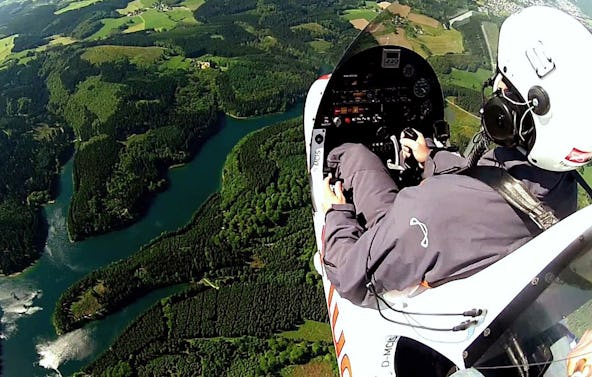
(193, 4)
(423, 20)
(356, 14)
(397, 8)
(158, 21)
(181, 15)
(76, 5)
(131, 7)
(441, 41)
(112, 25)
(6, 45)
(466, 79)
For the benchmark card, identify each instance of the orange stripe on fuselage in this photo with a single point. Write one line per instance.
(344, 362)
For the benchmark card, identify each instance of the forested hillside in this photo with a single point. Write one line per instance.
(131, 101)
(33, 145)
(247, 256)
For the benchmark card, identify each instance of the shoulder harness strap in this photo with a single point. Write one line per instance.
(529, 208)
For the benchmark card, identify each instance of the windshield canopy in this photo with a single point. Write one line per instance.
(533, 336)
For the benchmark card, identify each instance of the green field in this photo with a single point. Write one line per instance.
(6, 45)
(193, 4)
(61, 40)
(175, 63)
(158, 21)
(367, 14)
(113, 25)
(182, 15)
(466, 79)
(76, 5)
(99, 97)
(311, 331)
(132, 6)
(441, 41)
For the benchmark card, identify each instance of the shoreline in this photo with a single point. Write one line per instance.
(237, 117)
(174, 166)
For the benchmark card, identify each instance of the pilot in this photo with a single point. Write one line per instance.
(452, 225)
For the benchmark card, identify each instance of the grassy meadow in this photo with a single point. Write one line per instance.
(466, 79)
(368, 12)
(192, 4)
(114, 25)
(76, 5)
(310, 330)
(6, 45)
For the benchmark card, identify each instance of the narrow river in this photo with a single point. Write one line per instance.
(31, 347)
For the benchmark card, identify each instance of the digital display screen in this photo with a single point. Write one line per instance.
(391, 58)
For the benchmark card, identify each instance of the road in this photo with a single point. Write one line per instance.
(488, 47)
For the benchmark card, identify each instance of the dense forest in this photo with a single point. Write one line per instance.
(128, 115)
(33, 145)
(246, 255)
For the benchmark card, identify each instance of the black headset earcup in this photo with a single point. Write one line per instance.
(499, 121)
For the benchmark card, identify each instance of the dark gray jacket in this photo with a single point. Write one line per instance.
(447, 226)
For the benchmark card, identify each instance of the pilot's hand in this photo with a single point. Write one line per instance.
(331, 196)
(579, 359)
(418, 147)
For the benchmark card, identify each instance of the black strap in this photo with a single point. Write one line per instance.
(515, 193)
(582, 182)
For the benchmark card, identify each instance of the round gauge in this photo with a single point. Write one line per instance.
(407, 113)
(408, 70)
(425, 109)
(421, 88)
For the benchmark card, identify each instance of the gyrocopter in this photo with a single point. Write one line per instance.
(517, 317)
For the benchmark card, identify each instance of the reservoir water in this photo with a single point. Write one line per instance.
(31, 346)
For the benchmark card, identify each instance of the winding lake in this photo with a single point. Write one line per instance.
(31, 347)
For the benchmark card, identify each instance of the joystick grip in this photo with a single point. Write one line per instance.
(409, 133)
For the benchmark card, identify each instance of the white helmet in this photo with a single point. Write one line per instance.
(546, 57)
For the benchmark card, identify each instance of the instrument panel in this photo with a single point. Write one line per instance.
(376, 94)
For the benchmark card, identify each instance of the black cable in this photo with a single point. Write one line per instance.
(460, 327)
(468, 313)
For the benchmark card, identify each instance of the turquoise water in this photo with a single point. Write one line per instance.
(32, 347)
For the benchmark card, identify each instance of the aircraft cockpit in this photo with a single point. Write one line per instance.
(376, 94)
